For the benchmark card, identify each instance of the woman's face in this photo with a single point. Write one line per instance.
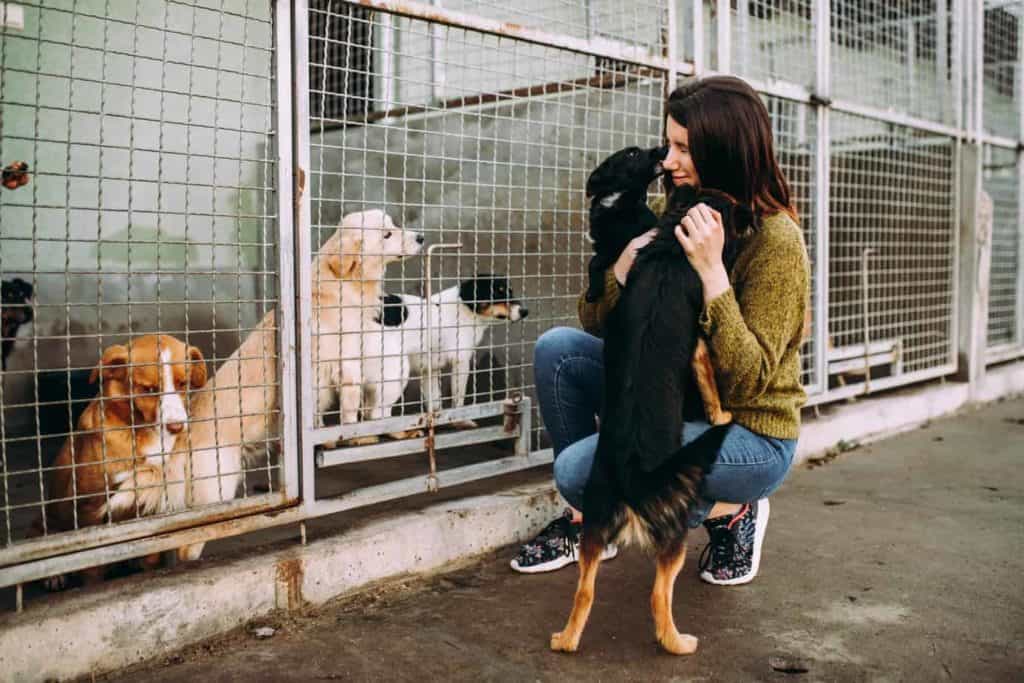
(679, 162)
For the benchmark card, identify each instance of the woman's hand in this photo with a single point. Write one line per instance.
(702, 238)
(628, 255)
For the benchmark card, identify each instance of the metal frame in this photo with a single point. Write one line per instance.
(38, 557)
(1013, 349)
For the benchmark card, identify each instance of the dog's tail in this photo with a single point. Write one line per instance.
(139, 491)
(662, 497)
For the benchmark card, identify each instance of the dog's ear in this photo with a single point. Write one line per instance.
(112, 364)
(197, 369)
(345, 261)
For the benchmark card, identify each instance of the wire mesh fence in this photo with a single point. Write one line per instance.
(892, 247)
(1001, 180)
(492, 156)
(465, 129)
(896, 56)
(151, 211)
(1001, 68)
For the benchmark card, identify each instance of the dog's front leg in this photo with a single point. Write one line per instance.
(568, 639)
(351, 398)
(430, 389)
(392, 388)
(668, 566)
(704, 373)
(460, 380)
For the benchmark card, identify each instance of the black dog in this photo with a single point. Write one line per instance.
(15, 311)
(643, 483)
(618, 207)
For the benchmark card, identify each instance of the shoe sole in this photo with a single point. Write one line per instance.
(556, 564)
(760, 526)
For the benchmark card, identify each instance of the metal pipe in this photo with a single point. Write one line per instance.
(429, 317)
(671, 46)
(864, 309)
(597, 46)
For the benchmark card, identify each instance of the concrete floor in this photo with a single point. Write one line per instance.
(899, 561)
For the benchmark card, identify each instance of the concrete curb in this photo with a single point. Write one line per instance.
(125, 622)
(885, 415)
(129, 621)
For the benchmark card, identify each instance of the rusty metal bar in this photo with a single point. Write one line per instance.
(429, 442)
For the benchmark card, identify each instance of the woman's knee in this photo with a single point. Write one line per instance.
(554, 344)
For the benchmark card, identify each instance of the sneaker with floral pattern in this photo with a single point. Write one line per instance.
(733, 553)
(556, 546)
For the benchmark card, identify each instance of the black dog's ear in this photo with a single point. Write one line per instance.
(468, 291)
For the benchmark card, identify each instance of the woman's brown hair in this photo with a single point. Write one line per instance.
(731, 142)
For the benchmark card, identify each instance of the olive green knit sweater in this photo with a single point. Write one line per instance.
(754, 330)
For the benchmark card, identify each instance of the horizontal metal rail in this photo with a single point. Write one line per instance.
(394, 449)
(597, 46)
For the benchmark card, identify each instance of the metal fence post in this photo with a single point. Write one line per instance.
(723, 39)
(1019, 102)
(823, 90)
(303, 247)
(285, 255)
(975, 236)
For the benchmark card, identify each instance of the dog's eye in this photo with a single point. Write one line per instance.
(387, 235)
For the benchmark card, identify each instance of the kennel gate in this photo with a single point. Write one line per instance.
(1001, 175)
(476, 122)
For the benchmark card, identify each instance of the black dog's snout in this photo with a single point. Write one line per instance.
(523, 311)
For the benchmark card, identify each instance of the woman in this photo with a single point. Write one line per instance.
(719, 137)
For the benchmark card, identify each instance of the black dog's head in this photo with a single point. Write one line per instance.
(490, 296)
(629, 170)
(16, 304)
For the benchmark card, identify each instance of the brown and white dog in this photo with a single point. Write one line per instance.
(112, 467)
(241, 409)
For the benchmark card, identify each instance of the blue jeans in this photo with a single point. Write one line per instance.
(568, 371)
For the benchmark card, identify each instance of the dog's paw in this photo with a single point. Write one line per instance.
(723, 417)
(563, 642)
(408, 434)
(465, 424)
(361, 440)
(679, 643)
(56, 583)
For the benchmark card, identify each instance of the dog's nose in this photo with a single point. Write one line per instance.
(175, 427)
(420, 239)
(523, 311)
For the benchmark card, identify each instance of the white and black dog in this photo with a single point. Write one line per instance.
(450, 327)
